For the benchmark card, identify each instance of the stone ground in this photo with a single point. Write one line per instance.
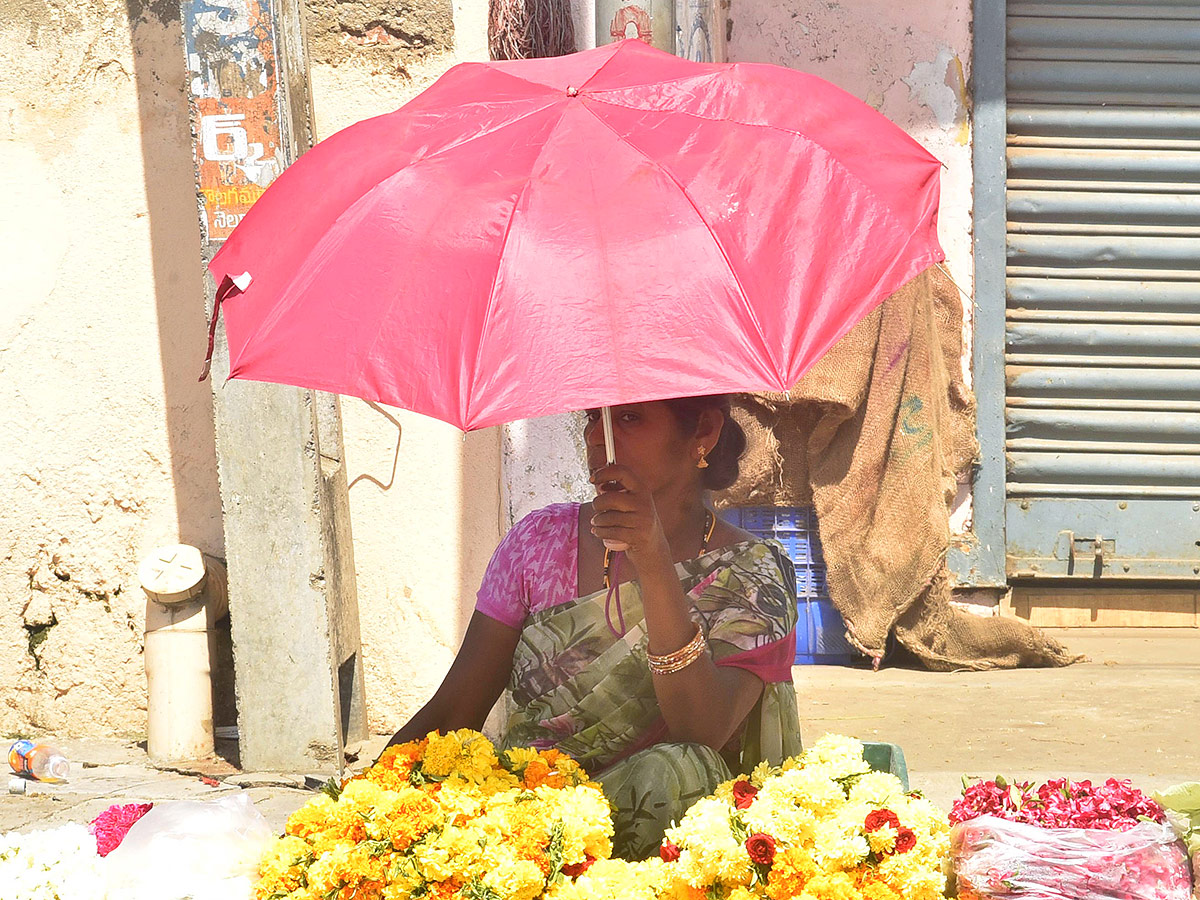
(1132, 711)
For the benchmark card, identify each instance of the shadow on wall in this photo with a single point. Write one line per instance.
(416, 468)
(178, 277)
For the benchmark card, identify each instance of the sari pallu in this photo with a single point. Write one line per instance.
(579, 687)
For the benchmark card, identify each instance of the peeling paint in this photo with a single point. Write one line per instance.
(928, 83)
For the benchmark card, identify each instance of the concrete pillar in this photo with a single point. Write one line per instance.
(292, 598)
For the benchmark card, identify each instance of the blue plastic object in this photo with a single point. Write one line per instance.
(820, 632)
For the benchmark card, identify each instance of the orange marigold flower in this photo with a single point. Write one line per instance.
(535, 773)
(791, 870)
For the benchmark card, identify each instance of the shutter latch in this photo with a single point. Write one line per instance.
(1082, 550)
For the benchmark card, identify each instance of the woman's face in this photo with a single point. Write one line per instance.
(649, 439)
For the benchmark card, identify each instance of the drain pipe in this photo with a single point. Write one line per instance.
(186, 594)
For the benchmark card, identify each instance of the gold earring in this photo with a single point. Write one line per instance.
(703, 463)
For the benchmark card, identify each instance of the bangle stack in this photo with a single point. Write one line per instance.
(681, 658)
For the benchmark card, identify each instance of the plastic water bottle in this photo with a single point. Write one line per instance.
(41, 762)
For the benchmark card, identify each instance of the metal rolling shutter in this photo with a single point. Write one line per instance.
(1102, 349)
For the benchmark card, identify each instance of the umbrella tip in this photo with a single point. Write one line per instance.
(572, 92)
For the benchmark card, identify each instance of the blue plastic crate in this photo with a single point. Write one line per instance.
(820, 632)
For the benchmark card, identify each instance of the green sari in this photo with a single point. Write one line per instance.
(583, 689)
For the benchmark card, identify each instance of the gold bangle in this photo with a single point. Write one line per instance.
(679, 660)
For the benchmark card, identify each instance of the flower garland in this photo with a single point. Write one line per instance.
(55, 864)
(446, 817)
(443, 817)
(110, 827)
(821, 827)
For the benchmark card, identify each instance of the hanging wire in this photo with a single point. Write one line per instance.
(527, 29)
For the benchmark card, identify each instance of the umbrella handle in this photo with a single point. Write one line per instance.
(610, 453)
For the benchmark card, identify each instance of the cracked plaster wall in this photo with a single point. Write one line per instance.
(106, 438)
(103, 453)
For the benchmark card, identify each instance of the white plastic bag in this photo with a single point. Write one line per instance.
(998, 859)
(191, 850)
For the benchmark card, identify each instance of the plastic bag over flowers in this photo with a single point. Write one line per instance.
(199, 850)
(998, 859)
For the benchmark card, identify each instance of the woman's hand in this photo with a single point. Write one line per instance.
(624, 517)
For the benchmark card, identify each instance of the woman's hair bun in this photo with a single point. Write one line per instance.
(724, 458)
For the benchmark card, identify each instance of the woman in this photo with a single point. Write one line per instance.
(664, 684)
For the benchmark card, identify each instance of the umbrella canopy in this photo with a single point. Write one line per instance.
(534, 236)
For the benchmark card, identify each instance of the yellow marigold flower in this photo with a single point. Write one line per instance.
(877, 890)
(515, 879)
(830, 886)
(882, 840)
(709, 851)
(790, 872)
(281, 870)
(877, 789)
(515, 759)
(838, 755)
(442, 754)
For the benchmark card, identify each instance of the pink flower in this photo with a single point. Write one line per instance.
(1059, 803)
(668, 851)
(111, 826)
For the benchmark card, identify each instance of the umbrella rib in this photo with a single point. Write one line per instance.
(266, 324)
(486, 324)
(797, 134)
(434, 154)
(603, 65)
(764, 345)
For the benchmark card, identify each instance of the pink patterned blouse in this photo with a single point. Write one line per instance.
(534, 567)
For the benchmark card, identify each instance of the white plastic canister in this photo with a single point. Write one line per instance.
(185, 596)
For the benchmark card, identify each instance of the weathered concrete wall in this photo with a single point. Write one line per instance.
(909, 61)
(106, 438)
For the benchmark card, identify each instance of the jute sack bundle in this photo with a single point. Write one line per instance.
(874, 437)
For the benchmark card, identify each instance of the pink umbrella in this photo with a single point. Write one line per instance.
(618, 225)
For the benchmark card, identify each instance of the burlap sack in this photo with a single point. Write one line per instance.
(874, 437)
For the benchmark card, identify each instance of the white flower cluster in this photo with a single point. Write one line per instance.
(57, 864)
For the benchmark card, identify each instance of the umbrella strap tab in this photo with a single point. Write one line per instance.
(229, 284)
